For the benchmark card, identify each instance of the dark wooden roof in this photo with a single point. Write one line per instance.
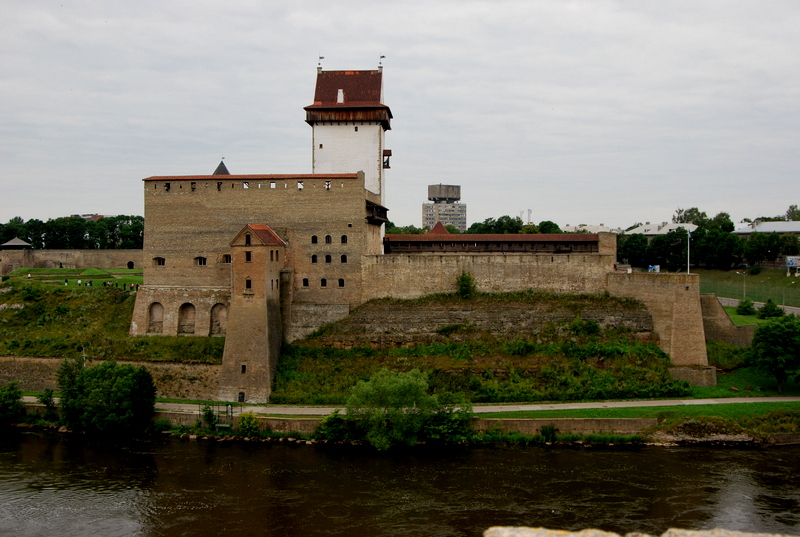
(361, 92)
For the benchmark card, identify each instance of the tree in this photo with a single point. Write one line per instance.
(776, 348)
(392, 229)
(790, 245)
(692, 215)
(452, 229)
(792, 213)
(755, 248)
(770, 309)
(503, 225)
(529, 229)
(669, 250)
(106, 398)
(633, 249)
(11, 408)
(546, 226)
(745, 307)
(465, 285)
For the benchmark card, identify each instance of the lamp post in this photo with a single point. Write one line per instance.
(744, 284)
(688, 247)
(784, 295)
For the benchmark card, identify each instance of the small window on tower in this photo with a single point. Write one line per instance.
(323, 282)
(327, 185)
(356, 129)
(320, 146)
(166, 187)
(248, 283)
(272, 184)
(248, 256)
(299, 185)
(219, 186)
(305, 282)
(245, 185)
(194, 186)
(247, 240)
(313, 258)
(328, 259)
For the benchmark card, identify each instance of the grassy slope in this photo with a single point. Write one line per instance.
(66, 321)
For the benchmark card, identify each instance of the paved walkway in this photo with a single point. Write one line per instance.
(485, 409)
(287, 410)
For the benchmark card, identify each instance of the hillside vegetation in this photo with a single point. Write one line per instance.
(564, 357)
(39, 319)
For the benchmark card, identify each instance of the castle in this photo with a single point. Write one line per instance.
(264, 258)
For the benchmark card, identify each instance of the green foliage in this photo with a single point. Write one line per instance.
(210, 417)
(755, 270)
(248, 424)
(746, 307)
(726, 356)
(632, 249)
(549, 433)
(11, 408)
(546, 226)
(776, 348)
(106, 398)
(394, 408)
(46, 398)
(160, 425)
(392, 229)
(580, 327)
(503, 225)
(465, 285)
(769, 310)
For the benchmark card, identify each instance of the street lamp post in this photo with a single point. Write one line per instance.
(744, 284)
(784, 295)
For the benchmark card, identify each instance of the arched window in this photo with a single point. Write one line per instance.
(219, 320)
(271, 255)
(328, 239)
(341, 282)
(130, 265)
(155, 318)
(305, 282)
(200, 261)
(323, 282)
(314, 258)
(159, 261)
(186, 315)
(314, 239)
(344, 239)
(328, 259)
(344, 258)
(277, 255)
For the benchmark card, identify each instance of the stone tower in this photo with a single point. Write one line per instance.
(349, 120)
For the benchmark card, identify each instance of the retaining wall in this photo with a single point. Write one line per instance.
(719, 327)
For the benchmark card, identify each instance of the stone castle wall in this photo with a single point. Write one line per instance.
(179, 381)
(105, 259)
(719, 327)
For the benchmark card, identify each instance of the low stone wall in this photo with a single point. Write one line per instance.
(567, 425)
(501, 531)
(105, 259)
(179, 381)
(277, 425)
(719, 327)
(695, 375)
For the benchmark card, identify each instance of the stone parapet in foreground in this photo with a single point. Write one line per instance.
(505, 531)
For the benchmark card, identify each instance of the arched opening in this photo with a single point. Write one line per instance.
(328, 239)
(323, 282)
(130, 265)
(328, 259)
(305, 282)
(314, 239)
(341, 282)
(186, 316)
(155, 318)
(219, 320)
(344, 239)
(344, 258)
(314, 258)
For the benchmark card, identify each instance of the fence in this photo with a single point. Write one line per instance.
(757, 292)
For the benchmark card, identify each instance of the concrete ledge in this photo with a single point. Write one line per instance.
(567, 425)
(695, 375)
(502, 531)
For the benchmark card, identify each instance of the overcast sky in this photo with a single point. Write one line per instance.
(581, 111)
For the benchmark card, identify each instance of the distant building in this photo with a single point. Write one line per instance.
(747, 228)
(583, 228)
(89, 217)
(445, 207)
(651, 230)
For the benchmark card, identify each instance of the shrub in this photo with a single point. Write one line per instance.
(46, 399)
(776, 348)
(755, 270)
(769, 310)
(160, 425)
(210, 417)
(549, 433)
(465, 285)
(11, 408)
(106, 398)
(248, 424)
(745, 307)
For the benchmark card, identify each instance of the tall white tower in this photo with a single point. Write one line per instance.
(349, 119)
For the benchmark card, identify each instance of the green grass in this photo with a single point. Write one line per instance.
(742, 320)
(770, 283)
(66, 321)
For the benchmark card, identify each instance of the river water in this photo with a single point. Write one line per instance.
(67, 485)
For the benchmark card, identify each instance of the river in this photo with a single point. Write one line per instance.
(68, 485)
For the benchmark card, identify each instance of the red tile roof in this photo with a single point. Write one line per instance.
(360, 88)
(265, 234)
(255, 177)
(539, 237)
(439, 229)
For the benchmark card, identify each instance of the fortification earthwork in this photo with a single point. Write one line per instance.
(264, 258)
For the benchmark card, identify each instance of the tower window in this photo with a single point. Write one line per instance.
(271, 255)
(248, 256)
(248, 283)
(299, 185)
(327, 185)
(244, 369)
(194, 186)
(323, 282)
(245, 185)
(344, 258)
(356, 129)
(200, 261)
(247, 240)
(328, 239)
(226, 258)
(272, 184)
(159, 261)
(320, 146)
(344, 239)
(219, 186)
(166, 187)
(305, 282)
(314, 258)
(314, 239)
(327, 259)
(341, 282)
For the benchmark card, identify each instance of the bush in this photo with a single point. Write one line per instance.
(46, 399)
(755, 270)
(210, 417)
(769, 310)
(248, 424)
(465, 285)
(745, 307)
(106, 398)
(394, 408)
(11, 408)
